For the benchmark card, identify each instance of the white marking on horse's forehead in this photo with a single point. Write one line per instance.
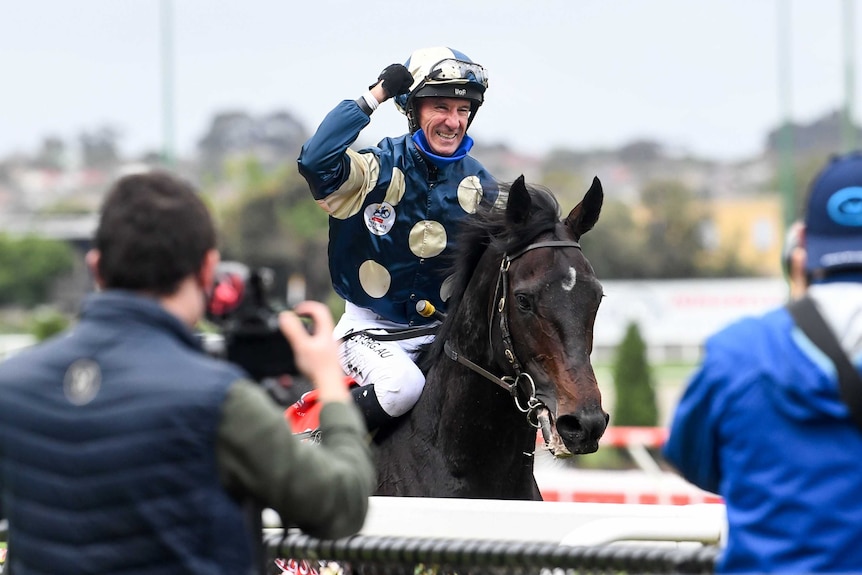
(570, 279)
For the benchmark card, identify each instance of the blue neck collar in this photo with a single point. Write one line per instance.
(441, 161)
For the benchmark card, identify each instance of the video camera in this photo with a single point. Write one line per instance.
(248, 321)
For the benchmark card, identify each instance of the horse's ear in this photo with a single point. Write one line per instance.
(519, 202)
(585, 215)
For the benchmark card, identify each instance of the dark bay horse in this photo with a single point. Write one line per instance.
(512, 355)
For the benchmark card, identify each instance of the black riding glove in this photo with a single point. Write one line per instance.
(396, 80)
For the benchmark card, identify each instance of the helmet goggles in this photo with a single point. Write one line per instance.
(450, 70)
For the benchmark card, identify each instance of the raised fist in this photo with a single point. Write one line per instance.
(396, 80)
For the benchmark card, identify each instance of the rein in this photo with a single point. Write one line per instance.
(521, 387)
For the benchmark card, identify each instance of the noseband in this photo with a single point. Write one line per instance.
(521, 386)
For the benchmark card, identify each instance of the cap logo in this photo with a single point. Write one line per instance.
(460, 92)
(845, 206)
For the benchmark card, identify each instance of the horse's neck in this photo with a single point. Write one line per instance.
(464, 437)
(464, 390)
(466, 404)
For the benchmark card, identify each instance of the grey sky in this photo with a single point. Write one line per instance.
(699, 76)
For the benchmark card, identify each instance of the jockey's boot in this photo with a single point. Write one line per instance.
(366, 400)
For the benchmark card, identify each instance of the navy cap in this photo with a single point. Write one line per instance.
(833, 217)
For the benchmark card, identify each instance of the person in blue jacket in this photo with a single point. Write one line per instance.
(124, 448)
(393, 210)
(762, 422)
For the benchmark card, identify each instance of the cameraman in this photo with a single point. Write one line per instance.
(124, 448)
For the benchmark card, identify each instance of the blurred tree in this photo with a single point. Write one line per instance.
(616, 245)
(673, 229)
(232, 135)
(47, 322)
(229, 132)
(567, 186)
(641, 152)
(281, 134)
(100, 148)
(805, 168)
(274, 222)
(51, 154)
(661, 238)
(565, 160)
(820, 137)
(28, 268)
(633, 383)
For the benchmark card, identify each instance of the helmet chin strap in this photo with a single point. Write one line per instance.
(412, 124)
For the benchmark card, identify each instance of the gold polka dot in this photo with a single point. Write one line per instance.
(396, 188)
(470, 193)
(427, 239)
(374, 278)
(446, 288)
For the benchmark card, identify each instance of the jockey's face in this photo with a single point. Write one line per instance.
(444, 121)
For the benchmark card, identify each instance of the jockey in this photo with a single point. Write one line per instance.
(393, 210)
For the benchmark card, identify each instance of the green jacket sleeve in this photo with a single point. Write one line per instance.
(321, 488)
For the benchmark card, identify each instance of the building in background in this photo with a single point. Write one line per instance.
(750, 227)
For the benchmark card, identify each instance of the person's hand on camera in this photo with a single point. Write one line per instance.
(393, 81)
(316, 353)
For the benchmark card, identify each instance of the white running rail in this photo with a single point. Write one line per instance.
(567, 523)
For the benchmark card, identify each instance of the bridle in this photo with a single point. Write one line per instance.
(521, 386)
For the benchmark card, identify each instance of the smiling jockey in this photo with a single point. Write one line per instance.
(393, 212)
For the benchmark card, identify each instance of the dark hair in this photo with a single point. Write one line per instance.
(154, 231)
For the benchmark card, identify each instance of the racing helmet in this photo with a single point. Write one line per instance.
(444, 72)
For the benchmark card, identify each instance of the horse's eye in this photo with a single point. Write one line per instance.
(523, 302)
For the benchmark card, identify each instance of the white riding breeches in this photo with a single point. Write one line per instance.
(389, 365)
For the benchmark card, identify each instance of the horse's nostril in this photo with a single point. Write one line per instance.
(582, 429)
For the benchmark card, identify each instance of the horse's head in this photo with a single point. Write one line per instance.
(546, 300)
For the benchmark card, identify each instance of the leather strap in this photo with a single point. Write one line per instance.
(456, 357)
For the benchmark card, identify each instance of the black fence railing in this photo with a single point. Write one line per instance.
(375, 555)
(397, 555)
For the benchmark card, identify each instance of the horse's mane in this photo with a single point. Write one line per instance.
(490, 227)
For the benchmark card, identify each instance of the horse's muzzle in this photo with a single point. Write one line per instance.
(580, 433)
